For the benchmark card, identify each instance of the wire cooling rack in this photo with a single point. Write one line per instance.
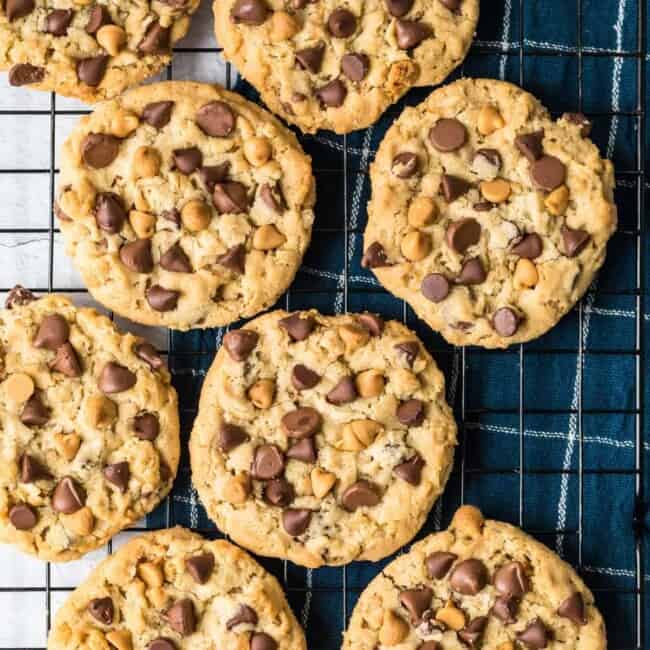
(508, 442)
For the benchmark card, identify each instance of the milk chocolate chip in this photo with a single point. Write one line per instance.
(240, 343)
(99, 150)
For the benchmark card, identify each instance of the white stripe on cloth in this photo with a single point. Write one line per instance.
(577, 384)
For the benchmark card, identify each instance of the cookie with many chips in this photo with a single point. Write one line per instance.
(90, 50)
(185, 205)
(174, 590)
(322, 439)
(478, 584)
(487, 216)
(324, 64)
(90, 432)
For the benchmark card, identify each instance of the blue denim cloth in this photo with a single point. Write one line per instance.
(593, 511)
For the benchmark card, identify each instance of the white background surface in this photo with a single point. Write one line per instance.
(25, 143)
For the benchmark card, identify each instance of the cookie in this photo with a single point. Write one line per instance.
(487, 216)
(174, 590)
(479, 584)
(90, 432)
(184, 205)
(324, 64)
(322, 439)
(92, 50)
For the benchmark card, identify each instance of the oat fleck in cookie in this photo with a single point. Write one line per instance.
(90, 440)
(185, 205)
(322, 439)
(479, 584)
(488, 217)
(325, 64)
(174, 590)
(89, 50)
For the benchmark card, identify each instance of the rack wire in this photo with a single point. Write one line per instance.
(343, 585)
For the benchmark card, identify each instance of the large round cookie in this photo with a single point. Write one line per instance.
(488, 217)
(92, 50)
(174, 590)
(184, 205)
(479, 584)
(325, 64)
(322, 439)
(89, 422)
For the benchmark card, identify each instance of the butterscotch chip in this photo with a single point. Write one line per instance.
(339, 68)
(146, 162)
(415, 246)
(143, 223)
(557, 201)
(237, 488)
(151, 574)
(75, 470)
(322, 482)
(196, 215)
(88, 50)
(455, 585)
(121, 639)
(261, 393)
(354, 336)
(489, 120)
(526, 274)
(311, 410)
(422, 211)
(451, 616)
(394, 629)
(81, 522)
(112, 38)
(67, 444)
(198, 204)
(370, 383)
(197, 573)
(19, 387)
(267, 238)
(283, 26)
(257, 151)
(496, 191)
(510, 183)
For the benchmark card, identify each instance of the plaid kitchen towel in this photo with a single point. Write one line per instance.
(580, 420)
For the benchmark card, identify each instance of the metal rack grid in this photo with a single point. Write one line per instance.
(183, 362)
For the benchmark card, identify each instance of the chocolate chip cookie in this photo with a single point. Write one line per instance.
(92, 50)
(326, 64)
(184, 205)
(174, 590)
(487, 216)
(479, 584)
(90, 432)
(322, 439)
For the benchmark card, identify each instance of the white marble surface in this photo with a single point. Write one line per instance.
(25, 144)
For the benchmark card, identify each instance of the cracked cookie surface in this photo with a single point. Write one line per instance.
(488, 217)
(322, 439)
(92, 50)
(90, 432)
(478, 584)
(324, 64)
(184, 205)
(174, 590)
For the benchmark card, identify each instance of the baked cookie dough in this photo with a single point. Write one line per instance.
(326, 64)
(174, 590)
(488, 217)
(479, 584)
(184, 205)
(89, 421)
(322, 439)
(89, 49)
